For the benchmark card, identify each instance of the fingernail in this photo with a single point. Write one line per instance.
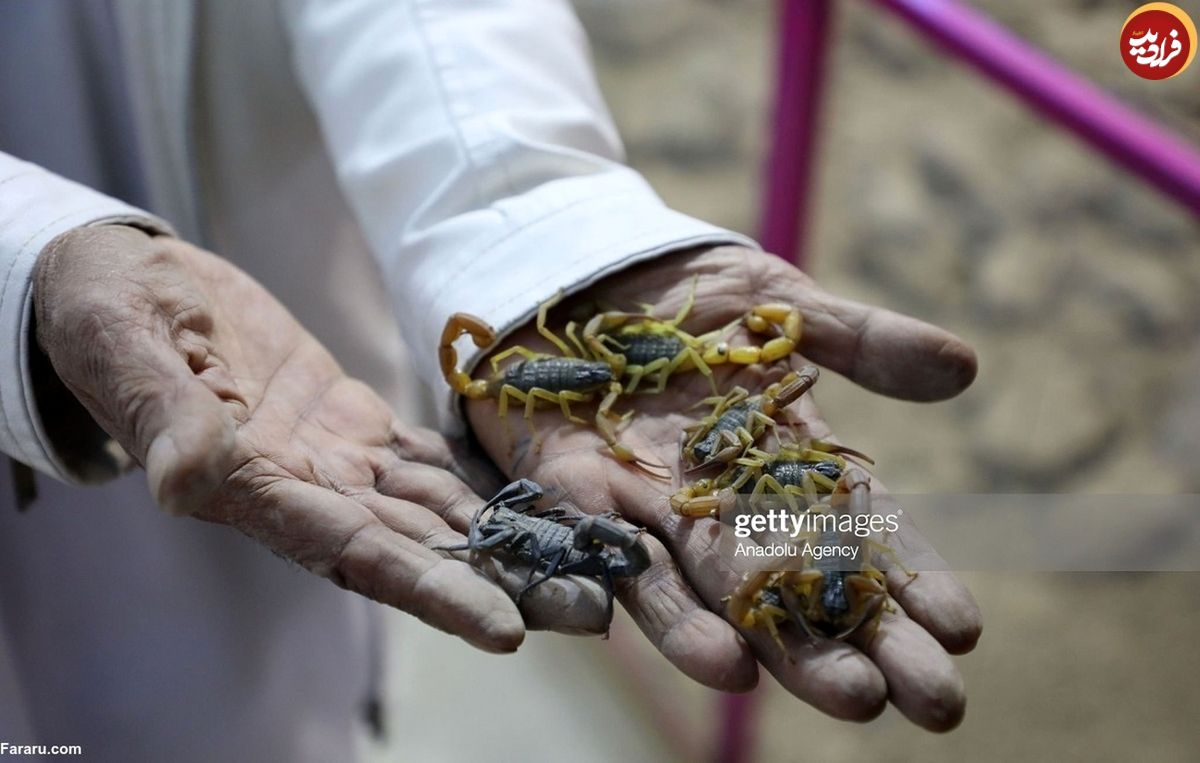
(175, 489)
(160, 456)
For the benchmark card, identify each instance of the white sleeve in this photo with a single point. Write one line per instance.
(35, 206)
(476, 151)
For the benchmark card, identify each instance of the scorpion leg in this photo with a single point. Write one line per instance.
(610, 591)
(563, 400)
(524, 352)
(553, 567)
(768, 618)
(636, 373)
(809, 485)
(594, 336)
(724, 402)
(688, 353)
(746, 608)
(887, 552)
(702, 425)
(502, 538)
(474, 535)
(480, 543)
(871, 596)
(570, 332)
(506, 392)
(763, 422)
(549, 335)
(535, 552)
(531, 399)
(688, 303)
(806, 581)
(767, 482)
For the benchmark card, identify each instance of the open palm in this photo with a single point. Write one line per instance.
(241, 417)
(676, 603)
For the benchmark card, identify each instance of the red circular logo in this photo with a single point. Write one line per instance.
(1158, 41)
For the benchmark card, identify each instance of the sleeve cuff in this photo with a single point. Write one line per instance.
(35, 207)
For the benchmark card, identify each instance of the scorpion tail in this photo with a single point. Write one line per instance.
(481, 333)
(786, 318)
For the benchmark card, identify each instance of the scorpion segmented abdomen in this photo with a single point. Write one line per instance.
(558, 374)
(729, 421)
(643, 349)
(792, 472)
(550, 537)
(833, 595)
(771, 597)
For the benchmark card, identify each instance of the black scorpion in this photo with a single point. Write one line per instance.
(553, 541)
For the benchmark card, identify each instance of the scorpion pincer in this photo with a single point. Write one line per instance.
(553, 541)
(541, 378)
(825, 599)
(738, 419)
(653, 348)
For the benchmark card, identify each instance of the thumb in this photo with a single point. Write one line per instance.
(884, 351)
(190, 439)
(119, 315)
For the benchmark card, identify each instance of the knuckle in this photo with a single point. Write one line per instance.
(164, 255)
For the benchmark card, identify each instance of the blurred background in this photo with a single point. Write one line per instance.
(939, 196)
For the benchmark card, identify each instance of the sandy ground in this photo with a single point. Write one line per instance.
(938, 197)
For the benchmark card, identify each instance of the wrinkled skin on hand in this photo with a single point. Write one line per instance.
(677, 603)
(241, 417)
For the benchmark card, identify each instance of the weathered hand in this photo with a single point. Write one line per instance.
(676, 602)
(241, 417)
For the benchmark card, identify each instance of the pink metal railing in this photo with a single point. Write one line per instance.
(1142, 146)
